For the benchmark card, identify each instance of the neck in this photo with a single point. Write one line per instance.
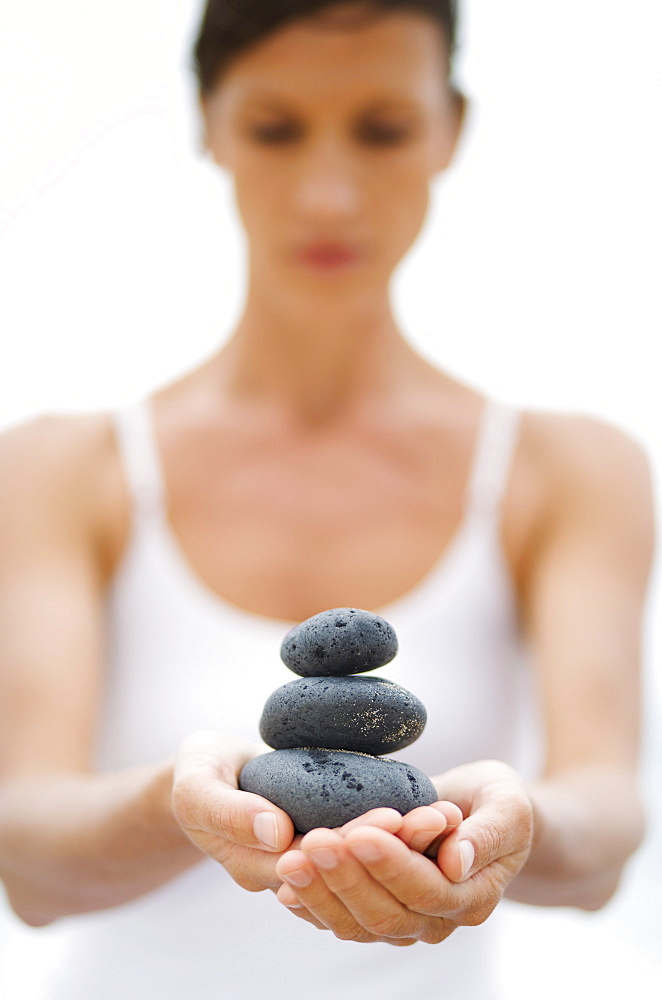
(317, 357)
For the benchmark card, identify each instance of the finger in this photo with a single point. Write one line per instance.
(385, 818)
(252, 868)
(373, 907)
(300, 911)
(409, 825)
(415, 881)
(205, 795)
(496, 834)
(421, 826)
(299, 871)
(422, 887)
(424, 828)
(450, 810)
(364, 937)
(288, 898)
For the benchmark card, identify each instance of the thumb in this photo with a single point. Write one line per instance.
(498, 835)
(206, 798)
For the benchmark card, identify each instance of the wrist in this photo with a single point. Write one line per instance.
(71, 843)
(157, 814)
(586, 824)
(139, 820)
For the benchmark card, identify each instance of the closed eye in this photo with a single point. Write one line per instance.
(276, 133)
(382, 134)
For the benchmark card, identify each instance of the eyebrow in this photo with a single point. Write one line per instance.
(395, 102)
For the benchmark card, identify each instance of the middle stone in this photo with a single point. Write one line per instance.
(366, 714)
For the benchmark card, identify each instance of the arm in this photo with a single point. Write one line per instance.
(563, 839)
(583, 604)
(72, 840)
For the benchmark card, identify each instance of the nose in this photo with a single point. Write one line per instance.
(329, 183)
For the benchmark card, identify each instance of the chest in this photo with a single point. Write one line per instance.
(286, 529)
(213, 665)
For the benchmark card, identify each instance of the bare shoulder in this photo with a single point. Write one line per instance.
(595, 478)
(579, 451)
(46, 440)
(581, 439)
(61, 469)
(55, 451)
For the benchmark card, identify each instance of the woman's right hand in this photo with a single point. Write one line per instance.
(244, 832)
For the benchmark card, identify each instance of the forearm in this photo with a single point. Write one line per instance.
(73, 843)
(586, 824)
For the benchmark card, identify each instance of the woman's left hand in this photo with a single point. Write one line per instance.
(370, 880)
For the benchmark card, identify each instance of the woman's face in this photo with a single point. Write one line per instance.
(332, 135)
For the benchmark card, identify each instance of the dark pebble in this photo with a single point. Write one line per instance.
(337, 642)
(328, 788)
(368, 714)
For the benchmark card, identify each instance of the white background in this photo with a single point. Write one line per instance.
(536, 278)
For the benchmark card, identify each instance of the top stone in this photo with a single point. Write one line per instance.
(339, 642)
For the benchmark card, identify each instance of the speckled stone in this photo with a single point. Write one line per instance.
(338, 642)
(367, 714)
(328, 788)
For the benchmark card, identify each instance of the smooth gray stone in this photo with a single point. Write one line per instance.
(328, 788)
(338, 642)
(367, 714)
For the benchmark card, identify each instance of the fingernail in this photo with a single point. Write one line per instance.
(467, 856)
(365, 851)
(299, 877)
(325, 857)
(265, 828)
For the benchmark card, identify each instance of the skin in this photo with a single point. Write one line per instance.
(314, 416)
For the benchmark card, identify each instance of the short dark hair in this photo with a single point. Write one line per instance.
(230, 26)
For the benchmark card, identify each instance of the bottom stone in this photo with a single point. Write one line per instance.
(318, 787)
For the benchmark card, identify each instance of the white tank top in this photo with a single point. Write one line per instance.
(180, 658)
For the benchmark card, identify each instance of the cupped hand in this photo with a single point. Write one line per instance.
(370, 881)
(244, 832)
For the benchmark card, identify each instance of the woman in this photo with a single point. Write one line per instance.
(153, 559)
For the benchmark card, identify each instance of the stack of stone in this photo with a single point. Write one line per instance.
(329, 728)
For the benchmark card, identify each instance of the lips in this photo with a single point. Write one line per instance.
(330, 255)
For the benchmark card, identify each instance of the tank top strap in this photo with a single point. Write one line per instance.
(140, 459)
(497, 440)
